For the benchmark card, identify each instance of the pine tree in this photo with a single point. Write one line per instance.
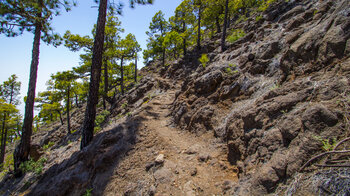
(90, 112)
(9, 92)
(64, 81)
(34, 16)
(127, 48)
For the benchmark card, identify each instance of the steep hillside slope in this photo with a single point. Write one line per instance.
(243, 125)
(273, 92)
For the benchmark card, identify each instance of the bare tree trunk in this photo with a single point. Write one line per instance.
(217, 22)
(22, 150)
(184, 39)
(223, 39)
(199, 29)
(122, 75)
(163, 56)
(59, 113)
(68, 106)
(90, 112)
(3, 140)
(135, 76)
(76, 100)
(105, 83)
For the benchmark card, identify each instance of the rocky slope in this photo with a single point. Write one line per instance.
(275, 90)
(243, 125)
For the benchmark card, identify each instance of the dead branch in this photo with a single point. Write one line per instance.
(321, 155)
(341, 142)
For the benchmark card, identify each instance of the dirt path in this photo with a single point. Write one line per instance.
(192, 165)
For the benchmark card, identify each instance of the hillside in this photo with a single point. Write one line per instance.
(243, 124)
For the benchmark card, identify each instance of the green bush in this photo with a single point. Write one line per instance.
(327, 144)
(258, 18)
(32, 166)
(235, 35)
(265, 4)
(6, 166)
(204, 60)
(101, 117)
(49, 145)
(88, 192)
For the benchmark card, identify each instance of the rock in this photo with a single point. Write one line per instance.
(317, 118)
(230, 91)
(257, 69)
(193, 149)
(164, 175)
(203, 157)
(208, 82)
(152, 190)
(251, 57)
(227, 185)
(291, 37)
(189, 189)
(35, 152)
(293, 12)
(270, 51)
(334, 42)
(193, 171)
(295, 23)
(201, 120)
(267, 178)
(160, 159)
(150, 165)
(290, 128)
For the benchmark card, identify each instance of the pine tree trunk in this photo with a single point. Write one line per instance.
(163, 56)
(135, 76)
(199, 29)
(223, 39)
(3, 140)
(67, 106)
(76, 100)
(22, 150)
(184, 39)
(90, 112)
(59, 113)
(218, 29)
(105, 71)
(122, 75)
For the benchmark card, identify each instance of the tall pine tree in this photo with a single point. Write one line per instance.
(34, 16)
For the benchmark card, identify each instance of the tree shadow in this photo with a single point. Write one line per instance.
(91, 168)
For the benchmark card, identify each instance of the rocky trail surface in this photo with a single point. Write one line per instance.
(169, 161)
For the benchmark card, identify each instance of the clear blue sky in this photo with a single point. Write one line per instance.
(15, 53)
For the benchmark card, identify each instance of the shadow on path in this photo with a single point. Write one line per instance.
(92, 167)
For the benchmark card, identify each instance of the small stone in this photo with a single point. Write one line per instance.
(149, 165)
(152, 190)
(203, 157)
(160, 159)
(251, 57)
(193, 171)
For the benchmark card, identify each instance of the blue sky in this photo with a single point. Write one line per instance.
(15, 53)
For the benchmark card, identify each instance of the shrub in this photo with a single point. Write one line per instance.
(204, 60)
(32, 166)
(265, 4)
(235, 35)
(48, 145)
(6, 166)
(101, 117)
(258, 18)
